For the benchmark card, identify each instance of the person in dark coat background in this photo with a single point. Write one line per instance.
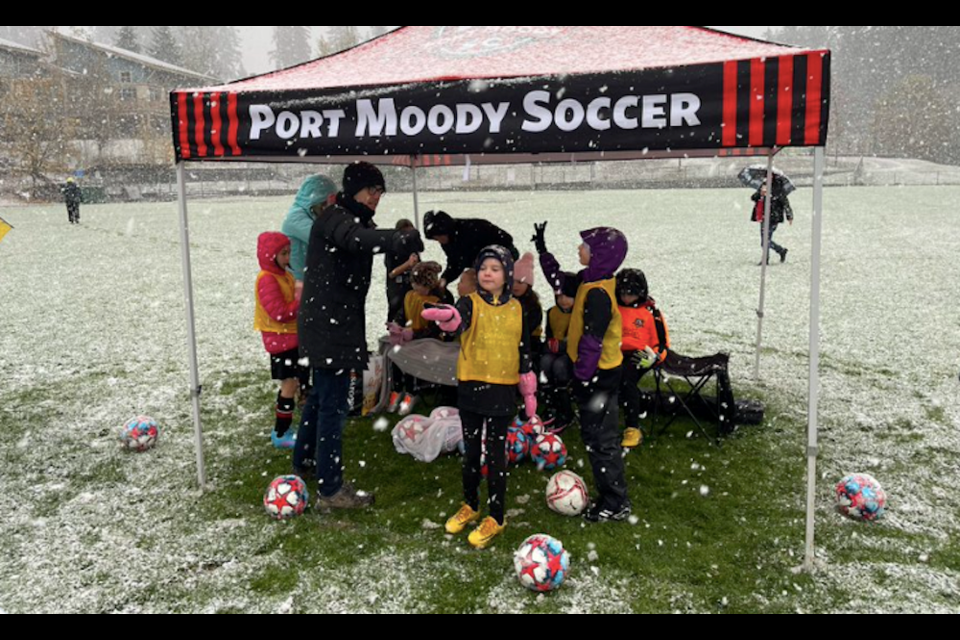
(73, 197)
(400, 262)
(332, 325)
(462, 240)
(780, 210)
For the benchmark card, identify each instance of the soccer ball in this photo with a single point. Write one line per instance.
(567, 494)
(140, 433)
(860, 496)
(409, 432)
(548, 452)
(518, 445)
(286, 497)
(532, 428)
(541, 563)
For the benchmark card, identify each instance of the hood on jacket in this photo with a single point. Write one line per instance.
(438, 223)
(503, 255)
(313, 193)
(632, 282)
(608, 250)
(269, 244)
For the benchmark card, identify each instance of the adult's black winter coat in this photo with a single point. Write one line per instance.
(470, 236)
(332, 321)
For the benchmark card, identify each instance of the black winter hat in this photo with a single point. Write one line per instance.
(570, 284)
(360, 175)
(506, 259)
(632, 282)
(437, 223)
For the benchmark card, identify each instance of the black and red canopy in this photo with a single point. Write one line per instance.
(432, 94)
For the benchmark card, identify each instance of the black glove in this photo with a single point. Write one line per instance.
(539, 237)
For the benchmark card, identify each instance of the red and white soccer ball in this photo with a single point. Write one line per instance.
(140, 433)
(860, 497)
(567, 494)
(531, 428)
(286, 497)
(548, 452)
(541, 563)
(518, 445)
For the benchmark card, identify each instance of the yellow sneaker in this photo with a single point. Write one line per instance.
(632, 438)
(461, 519)
(482, 536)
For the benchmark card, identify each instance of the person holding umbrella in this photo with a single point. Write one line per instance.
(780, 210)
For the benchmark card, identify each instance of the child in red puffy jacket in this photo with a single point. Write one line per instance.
(276, 318)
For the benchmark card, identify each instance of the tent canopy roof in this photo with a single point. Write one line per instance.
(438, 53)
(500, 94)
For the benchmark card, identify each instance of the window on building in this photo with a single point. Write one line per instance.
(128, 94)
(155, 95)
(126, 77)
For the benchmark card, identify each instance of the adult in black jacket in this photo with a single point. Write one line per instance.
(780, 210)
(462, 240)
(73, 197)
(332, 325)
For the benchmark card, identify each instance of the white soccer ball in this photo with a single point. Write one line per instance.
(567, 494)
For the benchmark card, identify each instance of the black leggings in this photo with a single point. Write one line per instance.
(496, 459)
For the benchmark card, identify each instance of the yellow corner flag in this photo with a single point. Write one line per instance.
(4, 228)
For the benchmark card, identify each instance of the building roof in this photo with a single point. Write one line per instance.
(19, 48)
(139, 58)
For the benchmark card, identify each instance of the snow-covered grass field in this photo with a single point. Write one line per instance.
(92, 332)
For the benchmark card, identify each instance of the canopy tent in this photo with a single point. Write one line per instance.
(448, 95)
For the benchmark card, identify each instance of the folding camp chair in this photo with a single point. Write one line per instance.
(696, 373)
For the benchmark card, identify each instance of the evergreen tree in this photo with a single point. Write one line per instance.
(291, 46)
(127, 39)
(164, 46)
(213, 50)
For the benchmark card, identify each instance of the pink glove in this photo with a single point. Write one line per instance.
(528, 389)
(399, 335)
(446, 316)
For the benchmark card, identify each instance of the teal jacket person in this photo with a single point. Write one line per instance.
(314, 191)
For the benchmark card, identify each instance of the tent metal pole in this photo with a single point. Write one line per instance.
(814, 391)
(195, 387)
(763, 263)
(416, 195)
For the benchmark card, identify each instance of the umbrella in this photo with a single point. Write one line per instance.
(755, 176)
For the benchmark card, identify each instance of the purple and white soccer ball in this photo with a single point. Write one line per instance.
(140, 433)
(541, 563)
(860, 497)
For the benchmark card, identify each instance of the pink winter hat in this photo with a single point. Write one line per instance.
(523, 270)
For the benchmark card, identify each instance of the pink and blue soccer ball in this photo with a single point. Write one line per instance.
(518, 445)
(548, 452)
(860, 496)
(531, 428)
(286, 497)
(140, 433)
(541, 563)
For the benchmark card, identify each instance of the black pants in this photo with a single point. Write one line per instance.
(73, 212)
(556, 372)
(630, 397)
(496, 458)
(600, 429)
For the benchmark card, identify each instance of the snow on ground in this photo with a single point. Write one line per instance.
(92, 332)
